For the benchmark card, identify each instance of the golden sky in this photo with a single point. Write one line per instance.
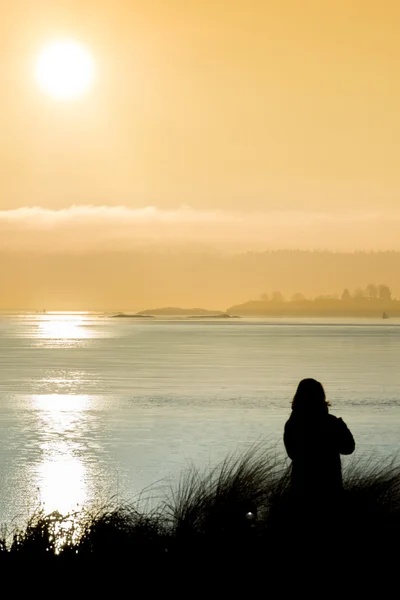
(253, 123)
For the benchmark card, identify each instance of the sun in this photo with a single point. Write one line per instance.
(65, 70)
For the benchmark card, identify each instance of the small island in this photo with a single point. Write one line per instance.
(175, 311)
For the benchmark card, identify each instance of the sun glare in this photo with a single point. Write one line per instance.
(64, 70)
(62, 327)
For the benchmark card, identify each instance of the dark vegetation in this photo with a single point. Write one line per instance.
(372, 301)
(239, 514)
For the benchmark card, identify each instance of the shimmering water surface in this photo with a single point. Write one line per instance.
(93, 406)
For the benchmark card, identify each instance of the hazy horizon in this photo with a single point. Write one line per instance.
(150, 278)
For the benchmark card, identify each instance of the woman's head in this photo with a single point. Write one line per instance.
(310, 398)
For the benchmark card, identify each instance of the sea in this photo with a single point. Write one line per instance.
(97, 409)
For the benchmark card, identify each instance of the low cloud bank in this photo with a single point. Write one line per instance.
(94, 228)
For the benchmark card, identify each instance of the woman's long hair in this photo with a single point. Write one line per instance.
(310, 399)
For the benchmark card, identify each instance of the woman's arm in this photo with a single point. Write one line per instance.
(346, 441)
(288, 440)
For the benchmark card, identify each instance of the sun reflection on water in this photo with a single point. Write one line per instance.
(61, 474)
(62, 327)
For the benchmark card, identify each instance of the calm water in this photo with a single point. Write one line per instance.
(92, 406)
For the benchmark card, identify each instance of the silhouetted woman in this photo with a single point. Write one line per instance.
(314, 440)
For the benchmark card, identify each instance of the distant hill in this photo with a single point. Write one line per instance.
(173, 311)
(129, 316)
(221, 316)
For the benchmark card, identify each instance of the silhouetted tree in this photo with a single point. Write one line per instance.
(277, 297)
(384, 293)
(265, 297)
(371, 291)
(358, 294)
(345, 297)
(298, 297)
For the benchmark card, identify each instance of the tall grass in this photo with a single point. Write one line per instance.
(241, 511)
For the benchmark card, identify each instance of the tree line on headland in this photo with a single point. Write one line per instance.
(373, 301)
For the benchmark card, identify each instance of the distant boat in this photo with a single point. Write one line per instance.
(385, 315)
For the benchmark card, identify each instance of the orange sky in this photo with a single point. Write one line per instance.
(280, 115)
